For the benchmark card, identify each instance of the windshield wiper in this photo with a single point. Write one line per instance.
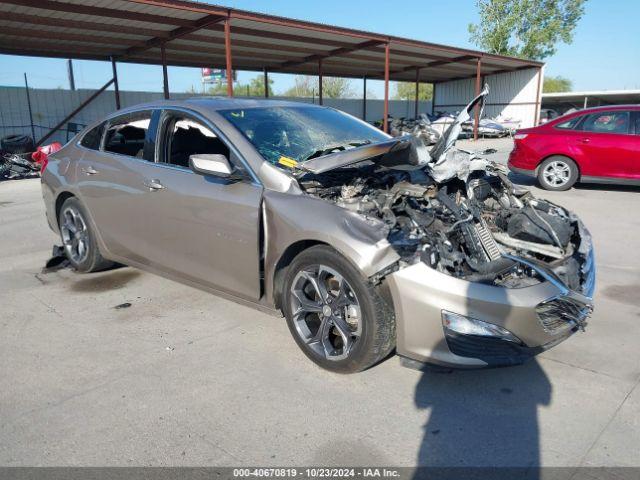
(327, 150)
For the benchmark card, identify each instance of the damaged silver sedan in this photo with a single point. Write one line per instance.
(365, 243)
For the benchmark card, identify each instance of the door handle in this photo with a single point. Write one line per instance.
(153, 185)
(89, 170)
(585, 140)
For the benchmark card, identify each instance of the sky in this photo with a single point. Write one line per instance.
(604, 55)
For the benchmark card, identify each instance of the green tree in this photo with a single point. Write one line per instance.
(556, 84)
(255, 88)
(337, 87)
(407, 91)
(332, 87)
(525, 28)
(304, 86)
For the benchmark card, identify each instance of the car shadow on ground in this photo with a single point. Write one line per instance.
(483, 418)
(525, 181)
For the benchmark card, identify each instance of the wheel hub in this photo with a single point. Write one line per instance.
(557, 173)
(74, 234)
(325, 311)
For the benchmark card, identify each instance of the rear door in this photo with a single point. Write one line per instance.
(608, 146)
(111, 183)
(200, 227)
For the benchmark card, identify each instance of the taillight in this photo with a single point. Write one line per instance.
(519, 136)
(41, 155)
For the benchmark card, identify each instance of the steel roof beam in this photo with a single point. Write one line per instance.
(333, 53)
(99, 11)
(176, 33)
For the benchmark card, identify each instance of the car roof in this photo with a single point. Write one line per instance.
(211, 104)
(608, 108)
(577, 113)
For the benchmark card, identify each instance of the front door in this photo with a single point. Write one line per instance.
(607, 145)
(200, 227)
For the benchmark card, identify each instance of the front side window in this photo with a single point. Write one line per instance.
(186, 137)
(607, 122)
(636, 122)
(126, 134)
(93, 138)
(301, 133)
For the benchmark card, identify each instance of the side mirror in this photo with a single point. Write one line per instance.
(211, 164)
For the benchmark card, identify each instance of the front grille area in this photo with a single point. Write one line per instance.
(562, 313)
(493, 351)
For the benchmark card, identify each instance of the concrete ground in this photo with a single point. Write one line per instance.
(185, 378)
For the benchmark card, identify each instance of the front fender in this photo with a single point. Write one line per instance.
(292, 218)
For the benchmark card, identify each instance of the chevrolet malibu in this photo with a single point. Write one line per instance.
(365, 243)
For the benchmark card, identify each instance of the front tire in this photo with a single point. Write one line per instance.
(78, 238)
(558, 173)
(335, 315)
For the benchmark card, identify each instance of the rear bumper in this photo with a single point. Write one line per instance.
(420, 294)
(522, 171)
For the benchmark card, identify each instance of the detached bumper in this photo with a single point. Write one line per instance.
(420, 294)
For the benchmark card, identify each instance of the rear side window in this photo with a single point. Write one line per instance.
(569, 124)
(607, 122)
(126, 134)
(93, 138)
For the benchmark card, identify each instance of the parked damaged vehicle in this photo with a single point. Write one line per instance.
(366, 243)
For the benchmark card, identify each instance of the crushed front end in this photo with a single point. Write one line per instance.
(488, 275)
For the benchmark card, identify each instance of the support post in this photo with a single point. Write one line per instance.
(477, 111)
(72, 82)
(165, 77)
(227, 52)
(586, 102)
(385, 122)
(536, 120)
(26, 88)
(417, 92)
(320, 81)
(433, 99)
(266, 83)
(116, 89)
(364, 99)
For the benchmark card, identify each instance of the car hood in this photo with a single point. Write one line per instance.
(448, 140)
(405, 150)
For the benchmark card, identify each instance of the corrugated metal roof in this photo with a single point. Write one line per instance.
(133, 30)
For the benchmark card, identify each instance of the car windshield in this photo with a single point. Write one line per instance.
(282, 134)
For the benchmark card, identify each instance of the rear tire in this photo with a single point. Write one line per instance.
(78, 238)
(335, 315)
(558, 173)
(17, 144)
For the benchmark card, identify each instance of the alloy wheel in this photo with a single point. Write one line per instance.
(75, 236)
(557, 173)
(326, 312)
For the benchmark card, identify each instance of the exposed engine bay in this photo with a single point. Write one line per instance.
(457, 212)
(468, 229)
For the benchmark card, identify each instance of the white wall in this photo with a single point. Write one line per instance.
(50, 106)
(511, 94)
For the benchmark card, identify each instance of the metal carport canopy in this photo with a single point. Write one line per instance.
(193, 35)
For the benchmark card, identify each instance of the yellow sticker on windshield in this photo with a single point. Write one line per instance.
(287, 162)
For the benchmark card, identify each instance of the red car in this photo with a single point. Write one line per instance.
(599, 144)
